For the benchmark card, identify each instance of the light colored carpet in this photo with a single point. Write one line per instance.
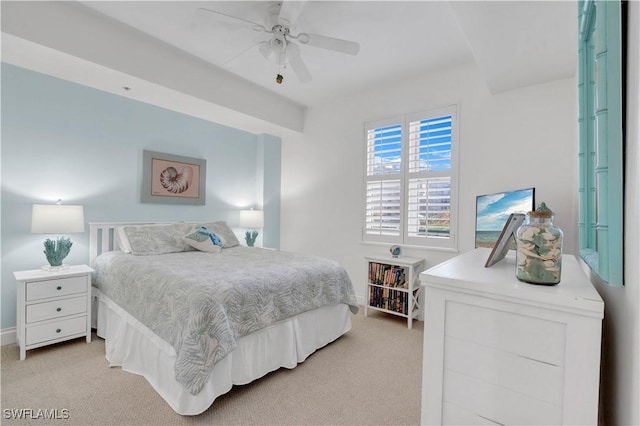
(370, 376)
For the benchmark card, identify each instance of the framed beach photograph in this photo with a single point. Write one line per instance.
(173, 179)
(506, 239)
(493, 210)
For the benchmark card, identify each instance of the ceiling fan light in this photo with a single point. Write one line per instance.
(277, 57)
(278, 44)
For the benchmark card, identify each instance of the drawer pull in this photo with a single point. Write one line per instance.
(58, 309)
(58, 330)
(59, 287)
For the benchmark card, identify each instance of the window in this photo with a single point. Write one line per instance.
(601, 140)
(410, 179)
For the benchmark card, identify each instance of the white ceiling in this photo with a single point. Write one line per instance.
(514, 43)
(174, 57)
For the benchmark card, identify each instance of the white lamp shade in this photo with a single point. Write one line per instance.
(251, 218)
(57, 219)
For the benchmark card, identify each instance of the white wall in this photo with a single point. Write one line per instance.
(517, 139)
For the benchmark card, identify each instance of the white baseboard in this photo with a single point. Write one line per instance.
(8, 336)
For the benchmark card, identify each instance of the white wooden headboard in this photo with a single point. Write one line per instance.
(102, 236)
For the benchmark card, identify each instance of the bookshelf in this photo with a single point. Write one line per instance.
(393, 286)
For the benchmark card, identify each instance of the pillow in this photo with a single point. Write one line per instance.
(123, 241)
(157, 239)
(204, 240)
(224, 232)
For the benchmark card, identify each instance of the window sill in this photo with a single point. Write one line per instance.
(411, 247)
(591, 258)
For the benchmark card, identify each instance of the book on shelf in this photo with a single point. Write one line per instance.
(387, 275)
(389, 299)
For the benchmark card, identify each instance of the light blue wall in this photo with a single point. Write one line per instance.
(64, 140)
(269, 167)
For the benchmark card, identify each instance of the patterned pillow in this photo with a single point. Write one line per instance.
(123, 240)
(157, 239)
(222, 230)
(204, 240)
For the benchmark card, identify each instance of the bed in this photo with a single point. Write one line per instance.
(194, 312)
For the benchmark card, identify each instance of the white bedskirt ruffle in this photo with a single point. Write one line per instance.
(131, 345)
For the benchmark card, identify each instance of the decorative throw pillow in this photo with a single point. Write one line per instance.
(204, 240)
(123, 240)
(157, 239)
(222, 230)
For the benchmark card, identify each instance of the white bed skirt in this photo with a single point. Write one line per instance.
(131, 345)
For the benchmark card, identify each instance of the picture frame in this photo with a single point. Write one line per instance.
(173, 179)
(493, 210)
(503, 244)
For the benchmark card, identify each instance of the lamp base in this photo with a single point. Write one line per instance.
(250, 238)
(50, 268)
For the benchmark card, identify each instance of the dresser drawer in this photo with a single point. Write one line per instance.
(495, 403)
(539, 380)
(535, 338)
(56, 330)
(455, 416)
(55, 309)
(51, 288)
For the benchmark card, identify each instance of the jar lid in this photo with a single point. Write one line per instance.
(542, 211)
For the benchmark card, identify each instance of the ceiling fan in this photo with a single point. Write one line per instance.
(280, 48)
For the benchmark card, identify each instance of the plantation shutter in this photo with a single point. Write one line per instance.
(429, 179)
(410, 179)
(383, 217)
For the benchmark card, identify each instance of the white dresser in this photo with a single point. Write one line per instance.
(52, 306)
(500, 351)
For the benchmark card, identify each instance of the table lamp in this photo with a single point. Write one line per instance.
(56, 219)
(251, 219)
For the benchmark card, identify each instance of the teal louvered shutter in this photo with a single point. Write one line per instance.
(601, 138)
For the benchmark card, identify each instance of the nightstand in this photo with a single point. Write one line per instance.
(53, 306)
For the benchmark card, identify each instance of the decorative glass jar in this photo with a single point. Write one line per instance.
(539, 248)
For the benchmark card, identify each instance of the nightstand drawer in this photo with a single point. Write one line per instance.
(58, 308)
(57, 287)
(56, 330)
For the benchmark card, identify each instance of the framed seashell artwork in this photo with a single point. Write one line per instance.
(173, 179)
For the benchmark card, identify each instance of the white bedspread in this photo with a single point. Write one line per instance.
(201, 303)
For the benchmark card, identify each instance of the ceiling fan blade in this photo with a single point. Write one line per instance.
(297, 64)
(300, 69)
(256, 26)
(243, 51)
(330, 43)
(265, 49)
(289, 12)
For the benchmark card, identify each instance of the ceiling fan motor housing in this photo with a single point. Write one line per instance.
(279, 40)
